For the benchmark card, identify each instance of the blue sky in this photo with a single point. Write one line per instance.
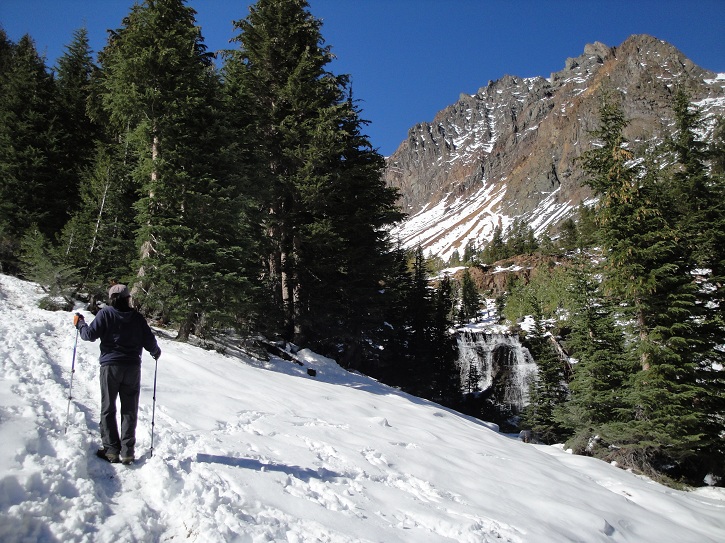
(411, 58)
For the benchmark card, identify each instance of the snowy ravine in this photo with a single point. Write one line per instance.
(254, 451)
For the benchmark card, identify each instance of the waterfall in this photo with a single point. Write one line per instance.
(504, 367)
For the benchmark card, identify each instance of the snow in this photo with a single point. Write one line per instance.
(252, 451)
(718, 77)
(453, 222)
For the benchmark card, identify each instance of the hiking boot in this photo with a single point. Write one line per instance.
(126, 460)
(107, 455)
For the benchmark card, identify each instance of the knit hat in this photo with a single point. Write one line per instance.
(119, 289)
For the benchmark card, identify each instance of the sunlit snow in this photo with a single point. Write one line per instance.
(252, 451)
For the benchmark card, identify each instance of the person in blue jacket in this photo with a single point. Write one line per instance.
(123, 332)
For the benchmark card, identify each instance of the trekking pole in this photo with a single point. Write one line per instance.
(153, 409)
(70, 390)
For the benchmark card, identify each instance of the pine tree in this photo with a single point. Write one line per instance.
(568, 235)
(495, 250)
(544, 292)
(714, 449)
(100, 236)
(326, 207)
(473, 378)
(31, 192)
(521, 240)
(420, 311)
(8, 240)
(160, 90)
(38, 264)
(646, 268)
(391, 362)
(548, 390)
(470, 253)
(446, 382)
(73, 81)
(280, 69)
(603, 369)
(7, 48)
(344, 249)
(587, 226)
(419, 350)
(697, 207)
(470, 299)
(716, 150)
(693, 192)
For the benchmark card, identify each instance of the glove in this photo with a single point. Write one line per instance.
(156, 354)
(78, 320)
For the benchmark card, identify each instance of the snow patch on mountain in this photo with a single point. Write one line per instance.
(451, 224)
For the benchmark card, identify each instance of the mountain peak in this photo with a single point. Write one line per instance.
(509, 151)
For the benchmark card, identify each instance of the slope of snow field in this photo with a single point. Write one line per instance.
(251, 451)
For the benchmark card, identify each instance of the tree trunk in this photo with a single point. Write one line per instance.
(286, 284)
(100, 212)
(296, 309)
(147, 247)
(187, 327)
(644, 358)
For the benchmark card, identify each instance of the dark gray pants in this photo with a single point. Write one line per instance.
(124, 382)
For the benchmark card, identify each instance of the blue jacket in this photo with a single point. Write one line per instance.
(123, 335)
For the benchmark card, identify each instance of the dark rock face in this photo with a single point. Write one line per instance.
(509, 151)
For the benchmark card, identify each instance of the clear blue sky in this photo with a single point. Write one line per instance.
(411, 58)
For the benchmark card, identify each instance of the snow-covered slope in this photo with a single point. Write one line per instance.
(255, 452)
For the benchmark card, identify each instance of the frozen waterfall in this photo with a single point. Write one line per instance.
(503, 366)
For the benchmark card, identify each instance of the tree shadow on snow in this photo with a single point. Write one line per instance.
(303, 474)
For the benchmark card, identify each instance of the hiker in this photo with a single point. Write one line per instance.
(123, 332)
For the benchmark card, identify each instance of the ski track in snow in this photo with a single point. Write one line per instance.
(260, 456)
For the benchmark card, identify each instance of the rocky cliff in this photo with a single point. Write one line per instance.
(509, 151)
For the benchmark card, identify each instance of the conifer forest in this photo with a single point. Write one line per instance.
(237, 194)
